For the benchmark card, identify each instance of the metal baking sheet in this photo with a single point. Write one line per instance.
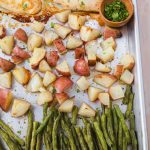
(129, 43)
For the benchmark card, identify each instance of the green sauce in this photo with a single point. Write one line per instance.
(116, 11)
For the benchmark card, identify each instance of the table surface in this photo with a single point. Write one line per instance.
(144, 25)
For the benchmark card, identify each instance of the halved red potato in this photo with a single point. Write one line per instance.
(63, 68)
(21, 35)
(61, 97)
(86, 111)
(61, 30)
(44, 66)
(7, 44)
(2, 31)
(79, 52)
(62, 84)
(22, 75)
(88, 33)
(105, 80)
(5, 99)
(6, 80)
(19, 108)
(81, 67)
(116, 92)
(60, 46)
(111, 32)
(17, 51)
(52, 58)
(6, 65)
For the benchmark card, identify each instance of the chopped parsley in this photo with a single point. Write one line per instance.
(52, 24)
(25, 5)
(78, 90)
(82, 3)
(19, 132)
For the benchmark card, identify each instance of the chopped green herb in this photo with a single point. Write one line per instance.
(25, 5)
(54, 90)
(82, 4)
(78, 90)
(52, 24)
(19, 132)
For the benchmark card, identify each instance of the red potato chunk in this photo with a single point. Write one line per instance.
(52, 58)
(79, 52)
(62, 84)
(61, 97)
(60, 46)
(17, 59)
(81, 67)
(2, 32)
(5, 99)
(21, 35)
(6, 65)
(110, 32)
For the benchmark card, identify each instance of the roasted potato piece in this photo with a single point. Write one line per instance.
(105, 80)
(127, 61)
(35, 83)
(79, 52)
(111, 32)
(19, 108)
(81, 67)
(104, 98)
(62, 84)
(61, 97)
(2, 31)
(91, 47)
(21, 35)
(75, 21)
(34, 41)
(116, 92)
(44, 97)
(67, 106)
(102, 67)
(17, 51)
(89, 34)
(127, 77)
(6, 65)
(86, 111)
(37, 55)
(52, 58)
(7, 44)
(44, 66)
(110, 42)
(83, 83)
(106, 55)
(91, 58)
(49, 37)
(17, 59)
(63, 68)
(118, 71)
(5, 99)
(37, 26)
(62, 31)
(93, 93)
(6, 80)
(49, 78)
(73, 42)
(63, 16)
(22, 75)
(60, 46)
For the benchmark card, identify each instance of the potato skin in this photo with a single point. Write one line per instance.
(21, 35)
(79, 52)
(61, 97)
(6, 65)
(81, 67)
(2, 32)
(52, 58)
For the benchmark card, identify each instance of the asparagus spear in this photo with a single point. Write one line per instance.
(8, 141)
(1, 146)
(74, 115)
(54, 133)
(100, 136)
(132, 121)
(66, 128)
(39, 142)
(9, 131)
(29, 130)
(130, 105)
(67, 120)
(127, 92)
(115, 122)
(103, 123)
(124, 144)
(48, 145)
(34, 136)
(122, 120)
(45, 107)
(81, 139)
(120, 136)
(84, 133)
